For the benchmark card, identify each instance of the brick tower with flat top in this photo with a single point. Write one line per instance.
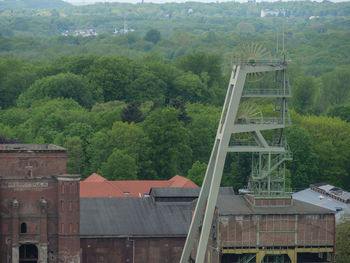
(39, 205)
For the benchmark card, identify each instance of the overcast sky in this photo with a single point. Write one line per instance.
(163, 1)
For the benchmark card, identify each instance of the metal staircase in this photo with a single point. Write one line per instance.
(242, 131)
(247, 258)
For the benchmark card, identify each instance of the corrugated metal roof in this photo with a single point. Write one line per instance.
(133, 216)
(238, 205)
(120, 216)
(326, 187)
(315, 198)
(185, 191)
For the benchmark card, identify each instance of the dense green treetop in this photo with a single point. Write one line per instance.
(146, 104)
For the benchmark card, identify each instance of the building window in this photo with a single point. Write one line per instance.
(70, 188)
(62, 228)
(70, 228)
(23, 228)
(5, 228)
(62, 188)
(70, 206)
(62, 206)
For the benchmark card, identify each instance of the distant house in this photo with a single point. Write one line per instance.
(327, 196)
(97, 186)
(271, 12)
(85, 33)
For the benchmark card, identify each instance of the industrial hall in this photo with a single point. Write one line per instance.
(45, 217)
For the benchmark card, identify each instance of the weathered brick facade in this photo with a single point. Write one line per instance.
(40, 209)
(132, 249)
(39, 205)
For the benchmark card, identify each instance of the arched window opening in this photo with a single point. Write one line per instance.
(23, 228)
(28, 253)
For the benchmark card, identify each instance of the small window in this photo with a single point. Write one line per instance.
(70, 188)
(5, 228)
(23, 228)
(70, 228)
(62, 206)
(62, 188)
(62, 228)
(70, 206)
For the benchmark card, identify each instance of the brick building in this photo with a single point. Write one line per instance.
(39, 205)
(44, 219)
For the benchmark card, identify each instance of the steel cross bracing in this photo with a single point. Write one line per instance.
(229, 125)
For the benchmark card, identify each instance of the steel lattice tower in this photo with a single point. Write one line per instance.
(269, 156)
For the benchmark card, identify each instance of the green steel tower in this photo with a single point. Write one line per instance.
(243, 128)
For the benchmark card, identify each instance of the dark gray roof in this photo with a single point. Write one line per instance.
(133, 216)
(185, 191)
(238, 205)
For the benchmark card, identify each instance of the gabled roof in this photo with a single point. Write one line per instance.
(179, 181)
(97, 186)
(95, 178)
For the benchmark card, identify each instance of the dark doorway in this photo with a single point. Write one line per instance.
(28, 253)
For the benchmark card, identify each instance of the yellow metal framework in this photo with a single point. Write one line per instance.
(292, 253)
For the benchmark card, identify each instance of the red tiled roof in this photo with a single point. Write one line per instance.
(95, 178)
(99, 189)
(179, 181)
(97, 186)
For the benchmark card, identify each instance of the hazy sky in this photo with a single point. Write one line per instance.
(164, 1)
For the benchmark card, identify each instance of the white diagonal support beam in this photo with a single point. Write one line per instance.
(209, 192)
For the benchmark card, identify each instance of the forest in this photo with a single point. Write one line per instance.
(145, 104)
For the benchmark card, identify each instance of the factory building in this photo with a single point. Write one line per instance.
(39, 205)
(272, 230)
(329, 197)
(44, 219)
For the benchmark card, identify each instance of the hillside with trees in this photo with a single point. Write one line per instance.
(145, 104)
